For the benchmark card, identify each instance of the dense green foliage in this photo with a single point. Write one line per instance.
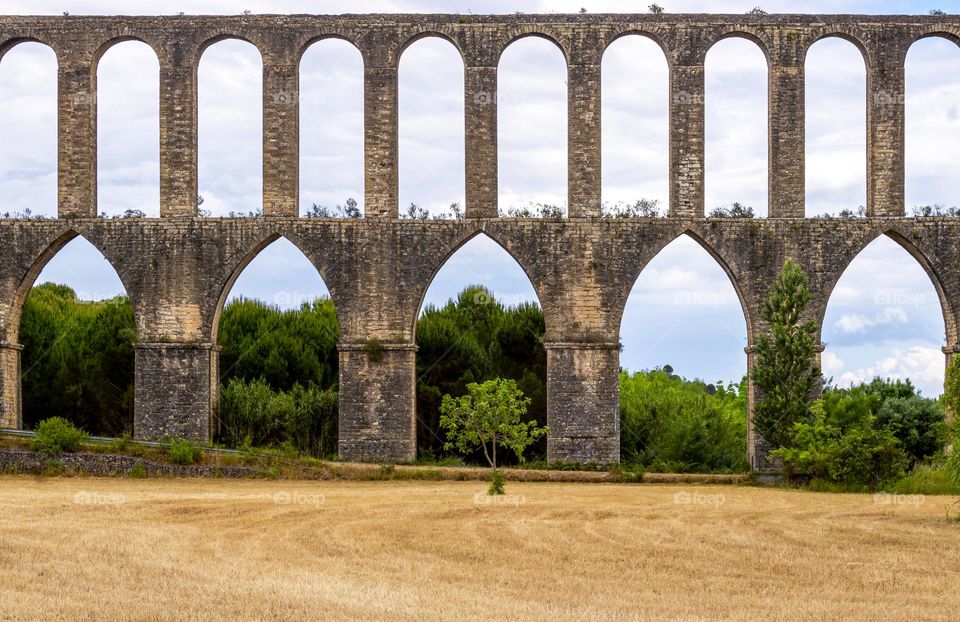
(492, 414)
(56, 435)
(868, 434)
(85, 350)
(283, 348)
(672, 424)
(184, 452)
(783, 373)
(252, 413)
(472, 339)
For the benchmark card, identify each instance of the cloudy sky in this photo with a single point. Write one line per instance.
(682, 311)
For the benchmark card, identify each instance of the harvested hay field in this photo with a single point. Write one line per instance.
(157, 549)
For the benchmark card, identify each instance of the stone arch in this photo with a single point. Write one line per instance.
(849, 38)
(647, 151)
(461, 239)
(109, 43)
(555, 186)
(310, 42)
(40, 261)
(534, 30)
(425, 140)
(247, 137)
(426, 34)
(718, 258)
(758, 38)
(42, 148)
(825, 102)
(744, 172)
(217, 38)
(638, 32)
(949, 35)
(233, 272)
(902, 239)
(342, 152)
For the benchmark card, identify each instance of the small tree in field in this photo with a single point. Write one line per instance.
(783, 372)
(488, 416)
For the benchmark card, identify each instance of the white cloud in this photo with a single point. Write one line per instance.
(924, 366)
(859, 323)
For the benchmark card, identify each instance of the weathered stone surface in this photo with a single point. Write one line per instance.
(178, 269)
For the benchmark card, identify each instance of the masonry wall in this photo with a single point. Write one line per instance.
(179, 268)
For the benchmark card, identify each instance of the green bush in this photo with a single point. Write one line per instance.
(918, 423)
(852, 451)
(56, 435)
(672, 424)
(184, 452)
(304, 419)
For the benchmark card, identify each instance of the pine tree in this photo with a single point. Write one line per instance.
(785, 378)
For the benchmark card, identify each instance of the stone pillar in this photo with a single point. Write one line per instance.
(175, 390)
(378, 402)
(480, 84)
(786, 184)
(380, 141)
(583, 140)
(281, 137)
(11, 408)
(950, 352)
(77, 138)
(885, 136)
(178, 133)
(686, 141)
(583, 402)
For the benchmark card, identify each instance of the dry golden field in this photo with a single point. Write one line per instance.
(159, 549)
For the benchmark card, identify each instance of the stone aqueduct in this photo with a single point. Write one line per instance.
(177, 269)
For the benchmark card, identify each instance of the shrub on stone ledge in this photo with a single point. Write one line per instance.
(56, 435)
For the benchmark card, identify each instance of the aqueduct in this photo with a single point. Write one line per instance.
(177, 268)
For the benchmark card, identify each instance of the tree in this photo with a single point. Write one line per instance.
(490, 415)
(783, 371)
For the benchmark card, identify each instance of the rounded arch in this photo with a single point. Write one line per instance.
(331, 123)
(229, 279)
(9, 44)
(953, 37)
(109, 43)
(736, 138)
(457, 245)
(753, 37)
(431, 127)
(229, 126)
(224, 36)
(536, 32)
(634, 121)
(931, 65)
(837, 34)
(532, 125)
(637, 32)
(835, 137)
(426, 34)
(128, 128)
(29, 119)
(327, 37)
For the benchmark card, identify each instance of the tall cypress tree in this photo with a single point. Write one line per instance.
(784, 375)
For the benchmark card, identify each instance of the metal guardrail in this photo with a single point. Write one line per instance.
(107, 439)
